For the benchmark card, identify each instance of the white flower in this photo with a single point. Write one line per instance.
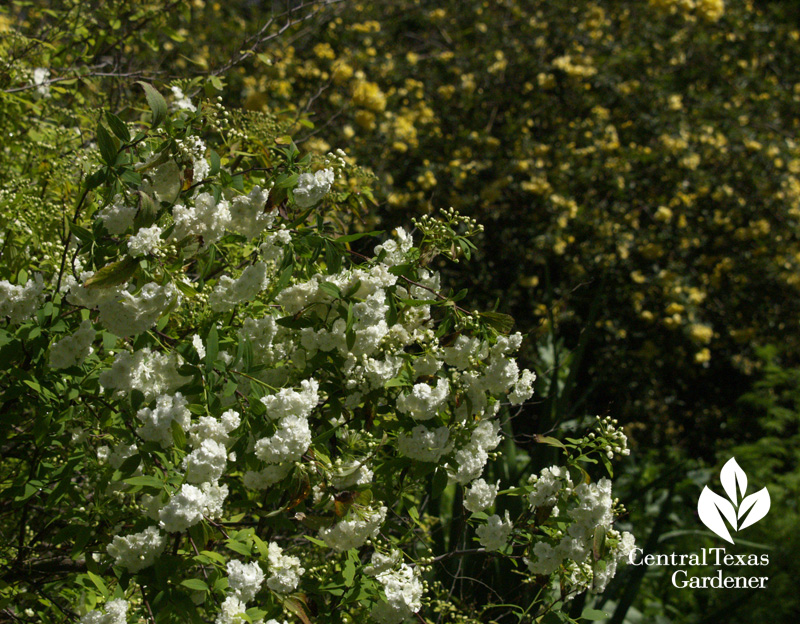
(523, 389)
(547, 559)
(396, 250)
(184, 509)
(403, 590)
(288, 402)
(247, 213)
(231, 611)
(287, 444)
(41, 76)
(268, 476)
(311, 188)
(157, 423)
(593, 507)
(116, 613)
(347, 534)
(471, 459)
(425, 444)
(480, 495)
(206, 463)
(285, 570)
(146, 242)
(153, 374)
(495, 533)
(350, 474)
(138, 550)
(129, 314)
(19, 303)
(72, 350)
(207, 219)
(197, 343)
(229, 293)
(548, 485)
(245, 579)
(182, 102)
(380, 563)
(210, 428)
(118, 216)
(424, 402)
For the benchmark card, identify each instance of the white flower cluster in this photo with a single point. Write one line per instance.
(229, 293)
(247, 213)
(284, 570)
(19, 303)
(207, 219)
(293, 436)
(118, 216)
(41, 78)
(347, 534)
(245, 579)
(401, 586)
(426, 445)
(395, 249)
(589, 506)
(188, 506)
(181, 101)
(146, 242)
(116, 612)
(480, 495)
(157, 422)
(204, 467)
(312, 187)
(495, 533)
(73, 350)
(423, 402)
(151, 373)
(138, 550)
(232, 611)
(128, 313)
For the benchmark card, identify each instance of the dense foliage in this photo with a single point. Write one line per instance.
(221, 403)
(635, 165)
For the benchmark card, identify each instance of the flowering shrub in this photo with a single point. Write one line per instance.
(217, 409)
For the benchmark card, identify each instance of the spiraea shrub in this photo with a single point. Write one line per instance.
(224, 402)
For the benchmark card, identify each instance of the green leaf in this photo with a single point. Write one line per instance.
(594, 614)
(145, 481)
(316, 541)
(97, 178)
(439, 482)
(156, 102)
(349, 238)
(349, 571)
(331, 289)
(212, 348)
(108, 149)
(195, 584)
(147, 213)
(213, 157)
(242, 549)
(118, 127)
(499, 321)
(548, 440)
(112, 274)
(81, 233)
(98, 582)
(599, 542)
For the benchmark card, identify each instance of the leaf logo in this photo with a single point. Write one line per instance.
(739, 510)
